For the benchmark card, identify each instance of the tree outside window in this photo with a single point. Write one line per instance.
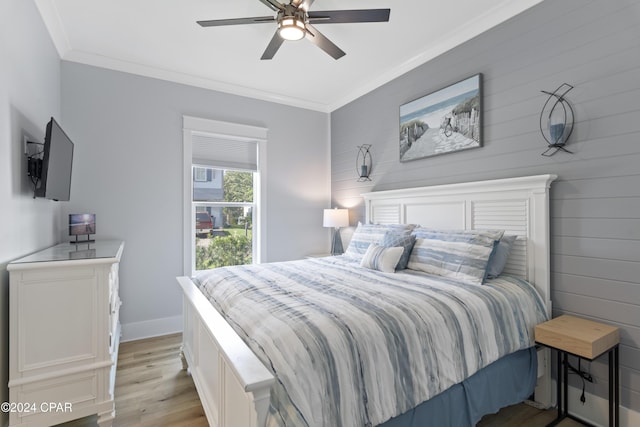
(230, 204)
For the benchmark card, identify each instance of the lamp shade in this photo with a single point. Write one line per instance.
(335, 218)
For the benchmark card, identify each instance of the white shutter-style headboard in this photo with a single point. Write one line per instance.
(519, 206)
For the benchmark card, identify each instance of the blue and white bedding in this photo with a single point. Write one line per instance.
(350, 346)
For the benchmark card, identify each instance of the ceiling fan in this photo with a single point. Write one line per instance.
(294, 22)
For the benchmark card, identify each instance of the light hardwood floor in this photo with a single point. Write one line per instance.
(152, 389)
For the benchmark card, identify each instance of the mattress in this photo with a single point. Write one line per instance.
(350, 346)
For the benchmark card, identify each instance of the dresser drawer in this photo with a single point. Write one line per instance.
(76, 392)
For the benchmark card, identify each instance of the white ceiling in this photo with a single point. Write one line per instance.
(160, 38)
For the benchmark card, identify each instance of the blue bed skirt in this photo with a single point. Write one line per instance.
(505, 382)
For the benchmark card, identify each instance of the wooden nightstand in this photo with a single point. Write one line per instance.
(588, 340)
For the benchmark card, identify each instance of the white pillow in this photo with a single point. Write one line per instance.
(380, 258)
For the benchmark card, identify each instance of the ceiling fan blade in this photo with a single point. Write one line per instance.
(346, 16)
(317, 38)
(272, 4)
(236, 21)
(272, 48)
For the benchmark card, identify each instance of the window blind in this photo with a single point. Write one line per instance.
(224, 153)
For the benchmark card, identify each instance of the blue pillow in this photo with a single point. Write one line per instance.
(406, 241)
(498, 258)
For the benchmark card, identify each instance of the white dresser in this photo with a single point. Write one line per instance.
(64, 334)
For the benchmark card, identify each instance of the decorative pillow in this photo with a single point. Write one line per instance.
(367, 234)
(430, 232)
(498, 258)
(460, 256)
(381, 258)
(392, 239)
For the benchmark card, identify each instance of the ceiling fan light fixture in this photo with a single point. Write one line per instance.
(291, 28)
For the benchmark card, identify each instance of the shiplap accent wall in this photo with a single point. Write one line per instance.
(593, 45)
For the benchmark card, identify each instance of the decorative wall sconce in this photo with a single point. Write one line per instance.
(556, 120)
(363, 162)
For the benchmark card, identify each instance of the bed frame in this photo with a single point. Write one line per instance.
(234, 385)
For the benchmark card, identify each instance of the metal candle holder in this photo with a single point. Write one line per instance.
(363, 162)
(556, 120)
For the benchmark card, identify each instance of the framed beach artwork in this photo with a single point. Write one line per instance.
(444, 121)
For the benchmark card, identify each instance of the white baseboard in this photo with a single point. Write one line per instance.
(596, 409)
(151, 328)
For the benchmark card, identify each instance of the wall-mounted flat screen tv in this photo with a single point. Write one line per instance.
(54, 180)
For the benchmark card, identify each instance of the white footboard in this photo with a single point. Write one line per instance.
(232, 382)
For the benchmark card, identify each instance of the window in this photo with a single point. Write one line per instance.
(202, 174)
(223, 218)
(199, 174)
(223, 182)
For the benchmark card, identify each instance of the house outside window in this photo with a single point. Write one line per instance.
(223, 206)
(204, 174)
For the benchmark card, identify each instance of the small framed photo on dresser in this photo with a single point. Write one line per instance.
(82, 225)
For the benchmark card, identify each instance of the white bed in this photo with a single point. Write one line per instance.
(232, 382)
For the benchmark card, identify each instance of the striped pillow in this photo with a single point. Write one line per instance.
(381, 258)
(462, 256)
(430, 232)
(367, 234)
(406, 241)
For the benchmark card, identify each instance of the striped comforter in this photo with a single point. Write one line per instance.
(355, 347)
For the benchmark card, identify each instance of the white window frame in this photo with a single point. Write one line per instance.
(240, 132)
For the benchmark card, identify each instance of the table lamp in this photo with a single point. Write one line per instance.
(336, 218)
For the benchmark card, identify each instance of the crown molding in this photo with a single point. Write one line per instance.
(492, 17)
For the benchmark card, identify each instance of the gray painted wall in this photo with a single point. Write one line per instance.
(29, 96)
(128, 171)
(593, 45)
